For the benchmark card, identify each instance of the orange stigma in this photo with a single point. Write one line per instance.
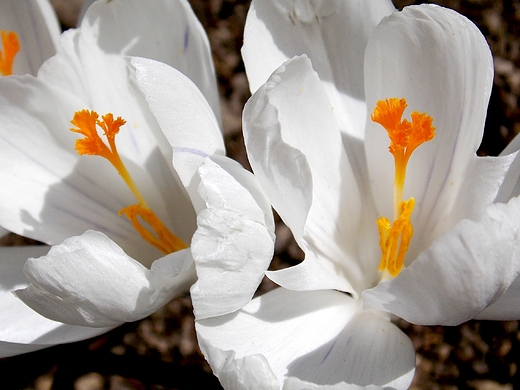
(11, 46)
(86, 122)
(405, 137)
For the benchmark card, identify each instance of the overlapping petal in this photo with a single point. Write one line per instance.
(69, 284)
(460, 274)
(283, 317)
(38, 30)
(278, 30)
(22, 329)
(505, 308)
(234, 242)
(179, 108)
(175, 37)
(289, 126)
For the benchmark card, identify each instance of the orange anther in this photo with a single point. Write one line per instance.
(163, 239)
(11, 46)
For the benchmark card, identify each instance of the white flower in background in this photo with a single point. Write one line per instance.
(29, 35)
(153, 127)
(370, 161)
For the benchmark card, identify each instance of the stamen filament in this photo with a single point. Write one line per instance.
(164, 240)
(157, 234)
(11, 46)
(405, 137)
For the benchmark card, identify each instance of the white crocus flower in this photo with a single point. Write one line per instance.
(318, 146)
(29, 35)
(102, 271)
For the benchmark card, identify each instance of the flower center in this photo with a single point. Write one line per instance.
(405, 137)
(11, 46)
(86, 122)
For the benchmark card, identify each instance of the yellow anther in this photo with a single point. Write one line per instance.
(405, 137)
(86, 122)
(11, 46)
(395, 238)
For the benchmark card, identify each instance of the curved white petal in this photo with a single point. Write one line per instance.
(184, 117)
(440, 62)
(332, 33)
(249, 372)
(89, 281)
(511, 184)
(175, 37)
(297, 384)
(23, 330)
(319, 337)
(288, 128)
(38, 30)
(463, 272)
(512, 147)
(234, 243)
(506, 307)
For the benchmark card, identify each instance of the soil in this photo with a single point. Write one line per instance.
(161, 352)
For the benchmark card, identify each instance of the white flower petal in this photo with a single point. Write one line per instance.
(462, 272)
(249, 372)
(175, 37)
(22, 329)
(297, 384)
(234, 243)
(288, 128)
(38, 30)
(184, 116)
(332, 33)
(506, 307)
(440, 62)
(309, 275)
(311, 336)
(89, 281)
(511, 184)
(478, 188)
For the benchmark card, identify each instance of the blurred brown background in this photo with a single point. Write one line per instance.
(160, 352)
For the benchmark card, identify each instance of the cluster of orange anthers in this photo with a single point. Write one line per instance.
(10, 46)
(405, 136)
(86, 122)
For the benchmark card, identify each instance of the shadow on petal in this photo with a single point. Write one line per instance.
(370, 350)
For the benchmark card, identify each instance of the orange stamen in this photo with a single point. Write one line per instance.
(86, 123)
(405, 137)
(163, 239)
(11, 46)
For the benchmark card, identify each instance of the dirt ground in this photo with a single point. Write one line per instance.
(160, 352)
